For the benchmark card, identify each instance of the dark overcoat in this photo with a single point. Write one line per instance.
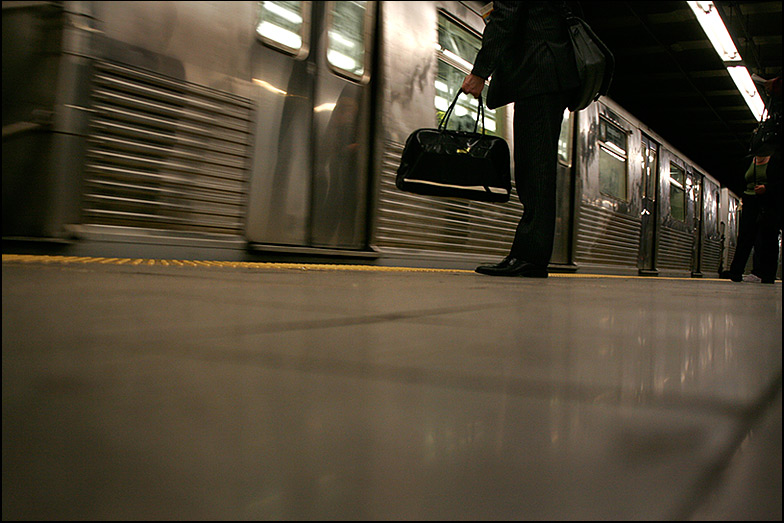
(527, 51)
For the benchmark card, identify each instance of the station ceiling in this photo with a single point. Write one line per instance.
(669, 76)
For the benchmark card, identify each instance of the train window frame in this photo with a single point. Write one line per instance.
(462, 65)
(679, 186)
(367, 42)
(614, 151)
(300, 53)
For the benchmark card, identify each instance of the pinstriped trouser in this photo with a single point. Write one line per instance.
(537, 126)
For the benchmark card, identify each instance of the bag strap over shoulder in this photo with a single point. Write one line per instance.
(574, 17)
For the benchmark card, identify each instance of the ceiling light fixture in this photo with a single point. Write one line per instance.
(711, 22)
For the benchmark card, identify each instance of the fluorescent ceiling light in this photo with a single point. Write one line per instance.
(740, 75)
(708, 17)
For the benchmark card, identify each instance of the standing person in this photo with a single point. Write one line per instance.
(527, 51)
(772, 219)
(760, 217)
(756, 228)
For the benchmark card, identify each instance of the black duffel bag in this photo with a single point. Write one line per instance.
(456, 164)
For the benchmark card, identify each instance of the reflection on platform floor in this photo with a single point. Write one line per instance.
(152, 391)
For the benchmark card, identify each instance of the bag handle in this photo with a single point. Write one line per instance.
(479, 114)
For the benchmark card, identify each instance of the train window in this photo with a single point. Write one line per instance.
(677, 193)
(285, 26)
(612, 160)
(457, 48)
(347, 38)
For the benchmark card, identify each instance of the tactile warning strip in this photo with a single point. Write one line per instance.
(23, 258)
(26, 258)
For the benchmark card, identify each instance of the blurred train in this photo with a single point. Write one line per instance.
(256, 128)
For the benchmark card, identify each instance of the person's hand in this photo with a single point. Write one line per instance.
(473, 85)
(759, 190)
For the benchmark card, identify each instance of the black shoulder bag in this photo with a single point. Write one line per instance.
(595, 61)
(457, 164)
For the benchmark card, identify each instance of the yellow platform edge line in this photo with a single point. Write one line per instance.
(25, 258)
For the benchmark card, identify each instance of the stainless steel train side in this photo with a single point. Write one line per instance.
(642, 205)
(278, 126)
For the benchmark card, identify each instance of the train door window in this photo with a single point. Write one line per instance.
(677, 193)
(650, 151)
(711, 207)
(717, 206)
(348, 38)
(456, 49)
(732, 215)
(612, 160)
(284, 26)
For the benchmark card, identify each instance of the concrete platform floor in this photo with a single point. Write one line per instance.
(248, 391)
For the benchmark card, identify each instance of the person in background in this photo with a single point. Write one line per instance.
(527, 51)
(758, 227)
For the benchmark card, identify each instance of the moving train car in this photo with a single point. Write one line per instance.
(250, 128)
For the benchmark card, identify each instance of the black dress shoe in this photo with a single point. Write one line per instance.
(513, 267)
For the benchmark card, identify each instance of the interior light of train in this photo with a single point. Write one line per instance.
(441, 104)
(441, 86)
(714, 28)
(740, 75)
(463, 63)
(617, 151)
(342, 61)
(342, 40)
(273, 7)
(607, 147)
(280, 35)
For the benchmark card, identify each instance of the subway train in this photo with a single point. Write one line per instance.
(276, 128)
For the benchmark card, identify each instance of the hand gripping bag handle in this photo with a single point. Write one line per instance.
(479, 114)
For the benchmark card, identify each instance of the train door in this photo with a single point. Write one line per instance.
(729, 209)
(710, 247)
(649, 214)
(677, 216)
(607, 231)
(309, 176)
(695, 182)
(421, 74)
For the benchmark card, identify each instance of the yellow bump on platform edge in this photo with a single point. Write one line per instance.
(20, 258)
(25, 258)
